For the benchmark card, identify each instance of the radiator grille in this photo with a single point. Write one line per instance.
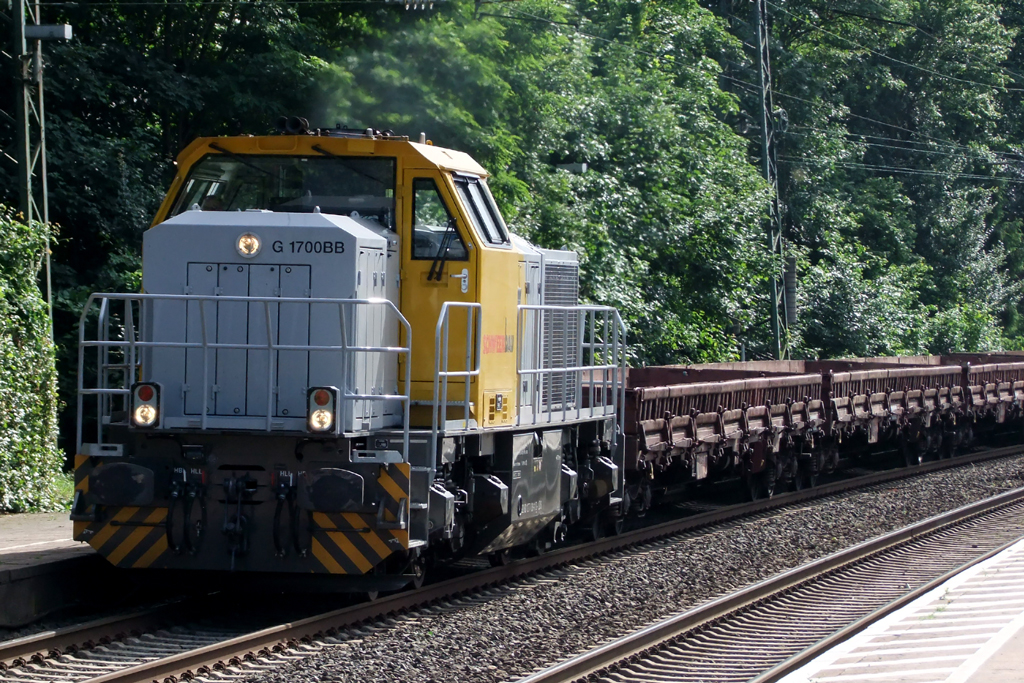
(561, 333)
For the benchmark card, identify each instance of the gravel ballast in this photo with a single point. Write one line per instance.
(535, 623)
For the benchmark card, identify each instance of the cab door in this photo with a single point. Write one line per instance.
(439, 263)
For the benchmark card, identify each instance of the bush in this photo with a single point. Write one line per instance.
(30, 463)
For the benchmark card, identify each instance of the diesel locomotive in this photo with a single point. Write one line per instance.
(344, 367)
(342, 362)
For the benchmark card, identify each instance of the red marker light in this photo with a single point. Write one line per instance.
(145, 393)
(321, 398)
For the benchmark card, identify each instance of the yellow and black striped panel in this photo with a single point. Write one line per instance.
(351, 543)
(393, 482)
(347, 543)
(129, 536)
(84, 466)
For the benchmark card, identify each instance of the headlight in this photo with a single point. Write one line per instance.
(321, 420)
(146, 405)
(248, 245)
(145, 415)
(321, 412)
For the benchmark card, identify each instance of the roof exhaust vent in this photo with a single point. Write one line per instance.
(292, 125)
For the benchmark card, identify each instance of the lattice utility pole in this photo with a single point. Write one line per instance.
(29, 119)
(770, 169)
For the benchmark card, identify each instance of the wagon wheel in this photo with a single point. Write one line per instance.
(793, 470)
(761, 485)
(967, 440)
(768, 481)
(806, 477)
(946, 444)
(614, 525)
(750, 487)
(594, 530)
(912, 455)
(500, 558)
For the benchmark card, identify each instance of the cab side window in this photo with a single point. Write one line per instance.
(433, 229)
(483, 213)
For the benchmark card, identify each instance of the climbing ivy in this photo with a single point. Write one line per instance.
(30, 463)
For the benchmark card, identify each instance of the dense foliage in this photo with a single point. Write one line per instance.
(900, 167)
(30, 464)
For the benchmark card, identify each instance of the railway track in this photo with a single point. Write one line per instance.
(166, 644)
(761, 633)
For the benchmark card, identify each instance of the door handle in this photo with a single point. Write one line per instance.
(464, 276)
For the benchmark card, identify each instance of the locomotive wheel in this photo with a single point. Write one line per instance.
(371, 595)
(497, 559)
(419, 572)
(595, 529)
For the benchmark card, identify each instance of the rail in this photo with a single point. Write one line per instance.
(115, 379)
(49, 649)
(697, 641)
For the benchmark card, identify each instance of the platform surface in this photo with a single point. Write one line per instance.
(41, 568)
(968, 630)
(27, 540)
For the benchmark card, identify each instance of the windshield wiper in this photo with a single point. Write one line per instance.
(240, 159)
(347, 163)
(442, 253)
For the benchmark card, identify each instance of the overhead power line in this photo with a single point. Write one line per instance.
(978, 156)
(892, 59)
(805, 161)
(941, 141)
(927, 34)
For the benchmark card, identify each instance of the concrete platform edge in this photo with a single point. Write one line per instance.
(30, 593)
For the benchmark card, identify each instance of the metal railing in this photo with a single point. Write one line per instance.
(474, 334)
(129, 345)
(593, 359)
(591, 367)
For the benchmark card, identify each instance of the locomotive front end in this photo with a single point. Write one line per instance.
(223, 437)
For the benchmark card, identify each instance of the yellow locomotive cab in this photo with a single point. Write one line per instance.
(432, 185)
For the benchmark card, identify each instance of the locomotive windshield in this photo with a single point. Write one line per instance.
(337, 184)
